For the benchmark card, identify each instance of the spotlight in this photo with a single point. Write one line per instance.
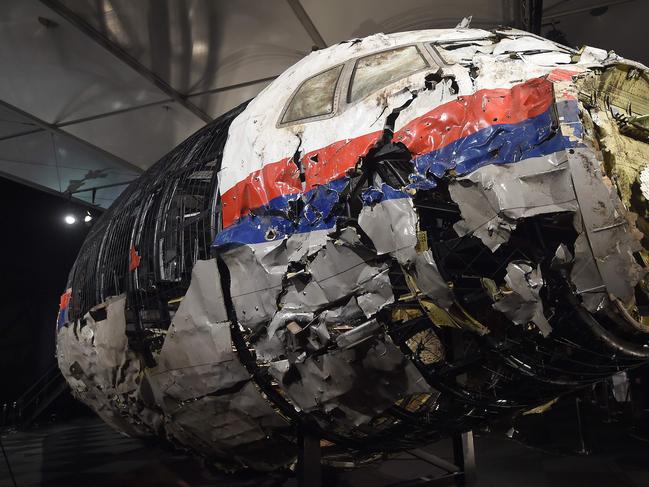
(87, 218)
(70, 219)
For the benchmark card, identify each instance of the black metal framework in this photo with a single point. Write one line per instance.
(145, 245)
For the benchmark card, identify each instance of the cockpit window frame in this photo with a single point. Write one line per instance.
(343, 84)
(354, 64)
(334, 106)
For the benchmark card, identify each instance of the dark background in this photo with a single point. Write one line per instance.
(37, 250)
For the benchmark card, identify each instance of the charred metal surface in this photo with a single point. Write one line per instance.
(447, 227)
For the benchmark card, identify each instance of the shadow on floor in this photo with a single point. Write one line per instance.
(85, 452)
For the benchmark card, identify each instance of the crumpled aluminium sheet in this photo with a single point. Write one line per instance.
(524, 305)
(197, 357)
(495, 126)
(390, 222)
(339, 383)
(346, 272)
(304, 291)
(198, 395)
(494, 198)
(102, 372)
(612, 240)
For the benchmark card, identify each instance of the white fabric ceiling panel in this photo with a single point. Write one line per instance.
(56, 73)
(59, 163)
(198, 45)
(142, 136)
(11, 123)
(216, 104)
(339, 20)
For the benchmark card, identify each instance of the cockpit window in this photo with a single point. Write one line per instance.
(315, 97)
(378, 70)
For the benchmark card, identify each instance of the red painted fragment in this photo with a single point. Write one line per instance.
(134, 259)
(65, 299)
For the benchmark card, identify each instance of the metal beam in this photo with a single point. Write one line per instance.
(90, 118)
(104, 186)
(121, 54)
(65, 196)
(57, 131)
(307, 23)
(232, 87)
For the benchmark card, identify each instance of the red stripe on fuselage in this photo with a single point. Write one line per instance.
(273, 180)
(442, 125)
(469, 114)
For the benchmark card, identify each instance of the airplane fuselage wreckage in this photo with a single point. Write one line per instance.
(401, 237)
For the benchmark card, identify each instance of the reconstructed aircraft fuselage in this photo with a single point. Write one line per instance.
(401, 237)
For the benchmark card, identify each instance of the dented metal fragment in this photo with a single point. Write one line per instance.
(494, 198)
(522, 302)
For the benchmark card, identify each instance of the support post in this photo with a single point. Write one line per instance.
(583, 449)
(464, 456)
(309, 468)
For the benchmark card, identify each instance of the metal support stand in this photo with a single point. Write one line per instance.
(583, 449)
(464, 455)
(463, 470)
(4, 454)
(309, 468)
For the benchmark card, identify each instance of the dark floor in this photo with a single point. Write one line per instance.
(86, 453)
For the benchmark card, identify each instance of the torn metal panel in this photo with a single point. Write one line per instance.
(493, 198)
(526, 44)
(586, 276)
(102, 371)
(256, 274)
(358, 335)
(302, 292)
(390, 222)
(562, 257)
(378, 294)
(523, 304)
(487, 127)
(612, 240)
(343, 380)
(341, 270)
(429, 281)
(348, 313)
(197, 356)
